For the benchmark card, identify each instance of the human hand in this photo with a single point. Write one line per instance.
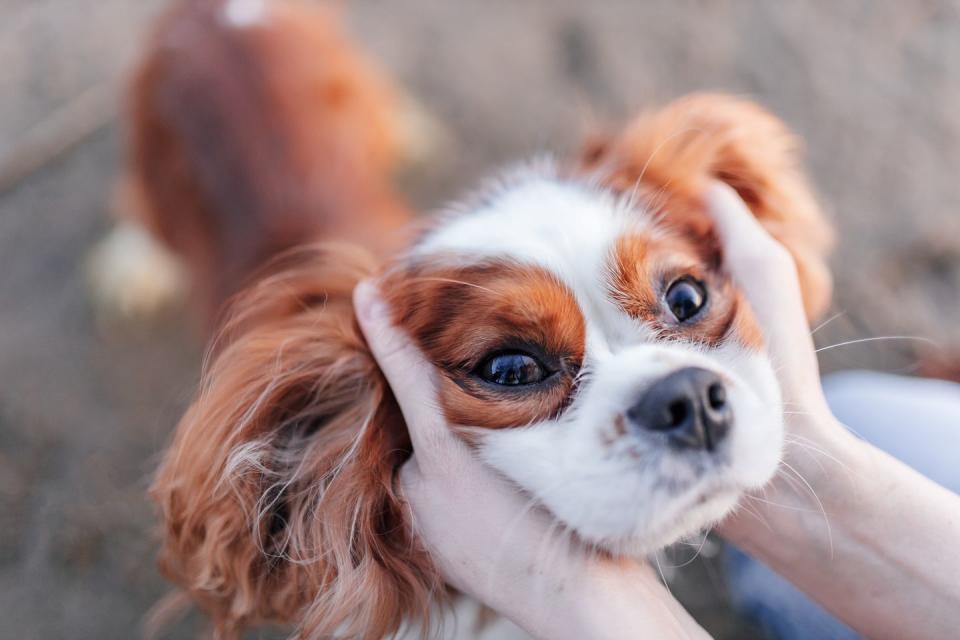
(866, 536)
(489, 540)
(818, 448)
(765, 271)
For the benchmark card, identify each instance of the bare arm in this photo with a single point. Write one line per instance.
(874, 542)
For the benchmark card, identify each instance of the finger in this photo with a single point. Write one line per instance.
(762, 268)
(410, 376)
(735, 222)
(766, 273)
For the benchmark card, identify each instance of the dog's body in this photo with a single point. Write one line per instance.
(592, 349)
(256, 127)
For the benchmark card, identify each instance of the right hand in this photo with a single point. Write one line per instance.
(765, 271)
(870, 539)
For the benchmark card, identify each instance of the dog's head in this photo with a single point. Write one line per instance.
(591, 348)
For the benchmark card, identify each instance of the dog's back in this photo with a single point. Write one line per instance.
(255, 127)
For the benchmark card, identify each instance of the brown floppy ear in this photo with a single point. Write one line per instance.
(666, 158)
(278, 498)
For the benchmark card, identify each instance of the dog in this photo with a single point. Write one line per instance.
(590, 346)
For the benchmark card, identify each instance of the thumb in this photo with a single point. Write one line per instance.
(761, 266)
(767, 274)
(411, 378)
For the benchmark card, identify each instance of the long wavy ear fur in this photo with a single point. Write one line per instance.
(278, 496)
(666, 157)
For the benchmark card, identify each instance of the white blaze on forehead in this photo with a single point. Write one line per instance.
(245, 13)
(566, 227)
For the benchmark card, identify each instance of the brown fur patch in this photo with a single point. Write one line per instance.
(631, 283)
(668, 156)
(642, 269)
(246, 142)
(459, 315)
(277, 497)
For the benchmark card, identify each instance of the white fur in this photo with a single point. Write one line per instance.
(631, 493)
(245, 13)
(133, 276)
(565, 227)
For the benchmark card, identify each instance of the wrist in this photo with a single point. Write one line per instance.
(622, 598)
(823, 451)
(819, 483)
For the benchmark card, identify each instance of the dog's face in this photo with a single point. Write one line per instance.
(596, 357)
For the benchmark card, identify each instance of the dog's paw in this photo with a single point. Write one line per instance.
(131, 276)
(423, 140)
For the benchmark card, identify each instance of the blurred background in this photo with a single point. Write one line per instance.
(87, 402)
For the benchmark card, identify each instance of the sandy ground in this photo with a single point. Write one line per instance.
(87, 404)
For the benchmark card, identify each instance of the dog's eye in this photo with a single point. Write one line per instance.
(512, 369)
(685, 297)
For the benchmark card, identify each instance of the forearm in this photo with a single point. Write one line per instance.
(609, 600)
(877, 546)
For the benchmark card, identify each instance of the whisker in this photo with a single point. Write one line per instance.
(807, 443)
(828, 321)
(696, 554)
(782, 506)
(756, 514)
(790, 480)
(874, 339)
(656, 202)
(659, 147)
(809, 450)
(823, 510)
(451, 281)
(663, 578)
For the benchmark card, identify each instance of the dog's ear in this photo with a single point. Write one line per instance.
(278, 497)
(666, 158)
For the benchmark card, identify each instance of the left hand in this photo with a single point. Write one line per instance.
(487, 539)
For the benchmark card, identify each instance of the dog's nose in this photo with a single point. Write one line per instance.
(690, 406)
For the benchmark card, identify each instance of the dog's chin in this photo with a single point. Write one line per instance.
(697, 512)
(701, 507)
(689, 512)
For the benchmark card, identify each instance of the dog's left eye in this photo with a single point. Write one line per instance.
(512, 369)
(685, 298)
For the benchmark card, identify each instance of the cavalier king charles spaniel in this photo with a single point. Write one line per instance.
(591, 347)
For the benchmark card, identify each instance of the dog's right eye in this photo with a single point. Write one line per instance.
(512, 369)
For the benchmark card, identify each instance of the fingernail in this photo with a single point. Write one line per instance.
(366, 301)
